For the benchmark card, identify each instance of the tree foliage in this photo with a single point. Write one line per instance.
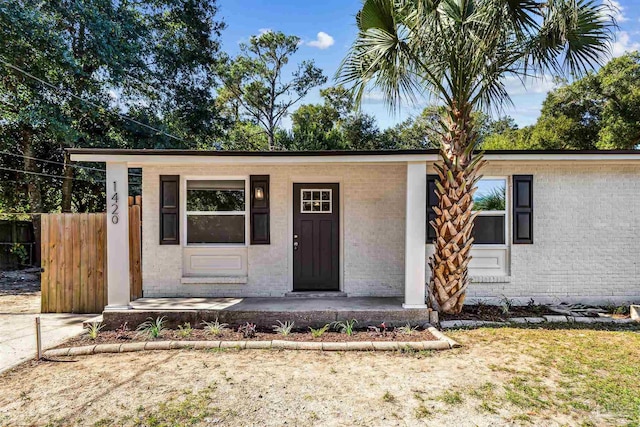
(255, 80)
(157, 62)
(598, 111)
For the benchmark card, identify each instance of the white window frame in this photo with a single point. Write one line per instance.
(245, 212)
(302, 190)
(507, 199)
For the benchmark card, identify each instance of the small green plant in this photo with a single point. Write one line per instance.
(422, 412)
(283, 329)
(407, 329)
(451, 397)
(185, 330)
(248, 330)
(506, 304)
(152, 328)
(215, 328)
(94, 329)
(20, 251)
(317, 333)
(346, 327)
(388, 397)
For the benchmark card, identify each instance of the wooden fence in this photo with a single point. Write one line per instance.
(74, 261)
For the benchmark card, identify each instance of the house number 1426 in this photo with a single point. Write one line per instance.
(114, 205)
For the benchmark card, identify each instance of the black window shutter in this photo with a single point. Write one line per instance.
(169, 209)
(523, 209)
(260, 214)
(432, 200)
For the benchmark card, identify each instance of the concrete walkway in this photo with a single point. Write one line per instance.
(18, 337)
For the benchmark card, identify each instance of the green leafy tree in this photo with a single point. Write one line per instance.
(460, 52)
(256, 80)
(159, 59)
(598, 111)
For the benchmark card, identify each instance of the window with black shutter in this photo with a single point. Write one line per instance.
(169, 209)
(523, 209)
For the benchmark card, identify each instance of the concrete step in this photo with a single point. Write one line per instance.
(315, 294)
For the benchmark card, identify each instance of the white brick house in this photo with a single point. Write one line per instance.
(240, 224)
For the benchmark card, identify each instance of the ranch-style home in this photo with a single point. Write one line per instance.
(552, 226)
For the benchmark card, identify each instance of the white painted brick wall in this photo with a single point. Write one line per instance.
(586, 235)
(373, 200)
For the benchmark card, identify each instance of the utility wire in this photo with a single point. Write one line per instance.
(49, 175)
(60, 163)
(26, 73)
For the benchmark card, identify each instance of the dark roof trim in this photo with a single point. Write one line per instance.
(230, 153)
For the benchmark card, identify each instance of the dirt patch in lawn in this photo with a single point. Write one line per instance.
(19, 291)
(502, 376)
(114, 337)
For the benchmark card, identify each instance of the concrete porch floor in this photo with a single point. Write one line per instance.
(264, 312)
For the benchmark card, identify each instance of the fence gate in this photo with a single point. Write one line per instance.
(74, 261)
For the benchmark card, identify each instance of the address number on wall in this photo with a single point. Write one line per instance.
(115, 212)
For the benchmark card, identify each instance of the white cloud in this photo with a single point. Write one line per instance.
(531, 85)
(623, 44)
(617, 10)
(322, 41)
(262, 31)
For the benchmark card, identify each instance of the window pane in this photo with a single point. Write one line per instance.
(490, 196)
(215, 229)
(207, 196)
(489, 229)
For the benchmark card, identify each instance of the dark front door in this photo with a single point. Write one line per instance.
(316, 245)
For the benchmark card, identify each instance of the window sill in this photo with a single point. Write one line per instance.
(218, 280)
(216, 245)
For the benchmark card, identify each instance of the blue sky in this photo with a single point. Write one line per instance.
(327, 29)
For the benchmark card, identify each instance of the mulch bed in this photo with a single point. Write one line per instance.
(496, 314)
(112, 337)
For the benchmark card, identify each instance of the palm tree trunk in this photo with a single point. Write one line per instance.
(458, 174)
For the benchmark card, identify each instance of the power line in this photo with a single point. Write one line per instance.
(60, 163)
(49, 175)
(26, 73)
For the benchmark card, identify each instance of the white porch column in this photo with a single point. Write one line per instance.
(416, 227)
(118, 236)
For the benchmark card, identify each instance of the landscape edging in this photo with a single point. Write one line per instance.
(461, 323)
(442, 343)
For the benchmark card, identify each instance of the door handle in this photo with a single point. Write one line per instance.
(295, 246)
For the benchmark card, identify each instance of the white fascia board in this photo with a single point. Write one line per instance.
(563, 157)
(137, 160)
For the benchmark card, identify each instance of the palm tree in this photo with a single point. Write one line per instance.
(460, 52)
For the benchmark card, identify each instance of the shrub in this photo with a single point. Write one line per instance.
(345, 327)
(248, 330)
(152, 328)
(317, 333)
(94, 329)
(215, 328)
(283, 329)
(185, 330)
